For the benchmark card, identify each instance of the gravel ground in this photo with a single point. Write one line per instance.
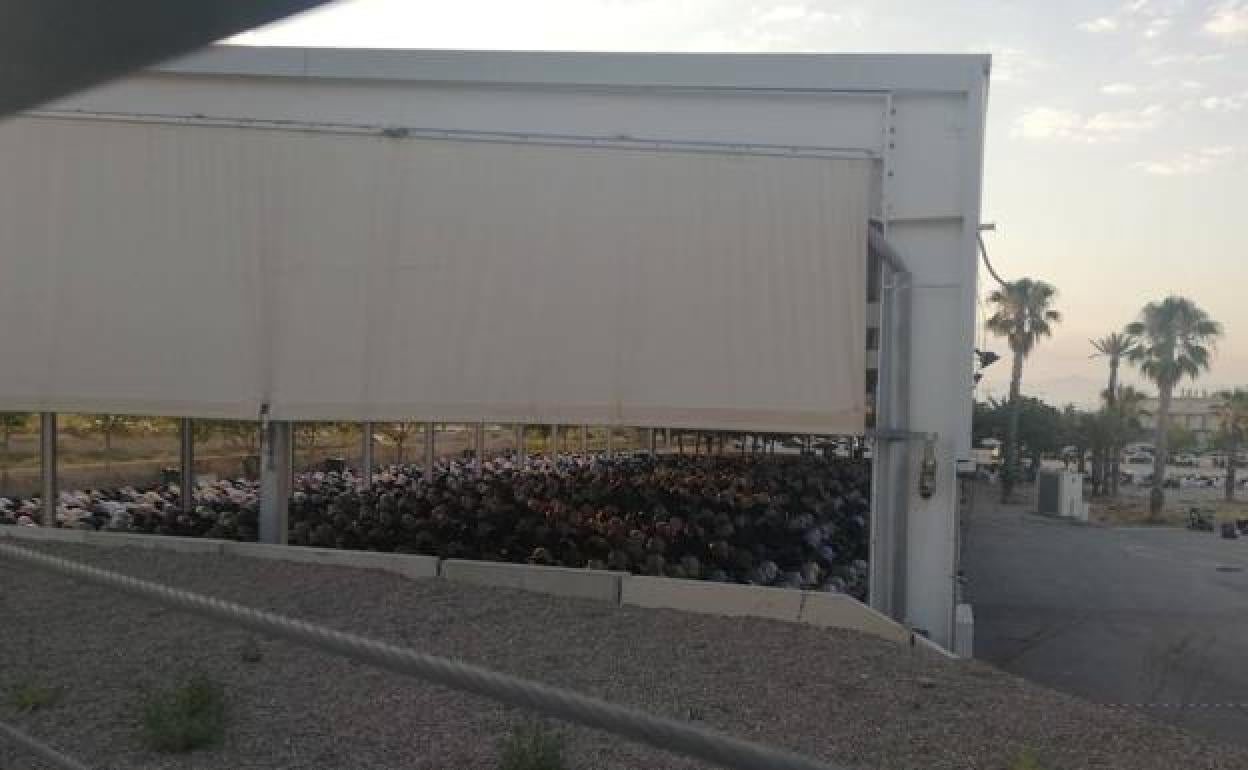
(841, 696)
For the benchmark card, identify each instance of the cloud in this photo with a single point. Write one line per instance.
(1010, 65)
(784, 14)
(1171, 59)
(1051, 124)
(1119, 89)
(1100, 24)
(1229, 22)
(1147, 18)
(1228, 103)
(1190, 163)
(1155, 28)
(1047, 123)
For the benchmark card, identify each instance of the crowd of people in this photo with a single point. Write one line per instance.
(799, 522)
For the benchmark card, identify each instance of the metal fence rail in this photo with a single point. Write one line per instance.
(663, 733)
(43, 751)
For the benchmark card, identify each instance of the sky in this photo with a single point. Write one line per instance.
(1117, 145)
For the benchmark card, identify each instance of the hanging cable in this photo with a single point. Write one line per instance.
(983, 250)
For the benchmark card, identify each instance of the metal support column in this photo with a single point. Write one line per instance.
(366, 453)
(521, 429)
(186, 441)
(276, 471)
(651, 441)
(431, 436)
(50, 491)
(890, 473)
(479, 445)
(610, 441)
(667, 439)
(554, 443)
(584, 439)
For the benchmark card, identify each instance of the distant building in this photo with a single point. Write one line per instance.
(1196, 410)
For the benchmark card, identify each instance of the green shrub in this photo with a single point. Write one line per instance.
(29, 696)
(532, 747)
(1026, 761)
(187, 717)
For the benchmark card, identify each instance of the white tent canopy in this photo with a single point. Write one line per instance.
(206, 270)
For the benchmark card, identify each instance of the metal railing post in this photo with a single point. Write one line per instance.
(431, 437)
(49, 489)
(186, 441)
(366, 453)
(479, 443)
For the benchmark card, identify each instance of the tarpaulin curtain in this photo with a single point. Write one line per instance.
(205, 270)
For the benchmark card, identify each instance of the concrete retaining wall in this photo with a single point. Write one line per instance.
(560, 581)
(405, 564)
(828, 610)
(712, 598)
(814, 608)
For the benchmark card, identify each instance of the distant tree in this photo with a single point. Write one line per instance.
(1122, 424)
(1042, 428)
(1180, 439)
(10, 423)
(109, 427)
(1023, 315)
(1176, 338)
(1232, 411)
(398, 434)
(241, 435)
(1039, 430)
(1114, 347)
(989, 419)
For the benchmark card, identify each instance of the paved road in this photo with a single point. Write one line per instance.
(1115, 615)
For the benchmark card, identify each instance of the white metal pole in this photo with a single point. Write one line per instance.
(366, 452)
(431, 434)
(47, 467)
(276, 470)
(186, 440)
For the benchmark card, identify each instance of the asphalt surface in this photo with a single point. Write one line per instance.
(1155, 618)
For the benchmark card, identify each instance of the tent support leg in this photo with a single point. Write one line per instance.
(186, 466)
(49, 491)
(276, 470)
(366, 453)
(431, 437)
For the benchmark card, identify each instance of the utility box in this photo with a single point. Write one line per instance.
(1060, 493)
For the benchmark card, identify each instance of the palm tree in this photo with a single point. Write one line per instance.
(1175, 341)
(1115, 346)
(1232, 411)
(1023, 315)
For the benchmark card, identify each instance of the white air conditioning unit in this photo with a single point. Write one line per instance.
(1060, 493)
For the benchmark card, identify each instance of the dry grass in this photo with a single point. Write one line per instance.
(1134, 511)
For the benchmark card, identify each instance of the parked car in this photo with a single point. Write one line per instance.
(1185, 461)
